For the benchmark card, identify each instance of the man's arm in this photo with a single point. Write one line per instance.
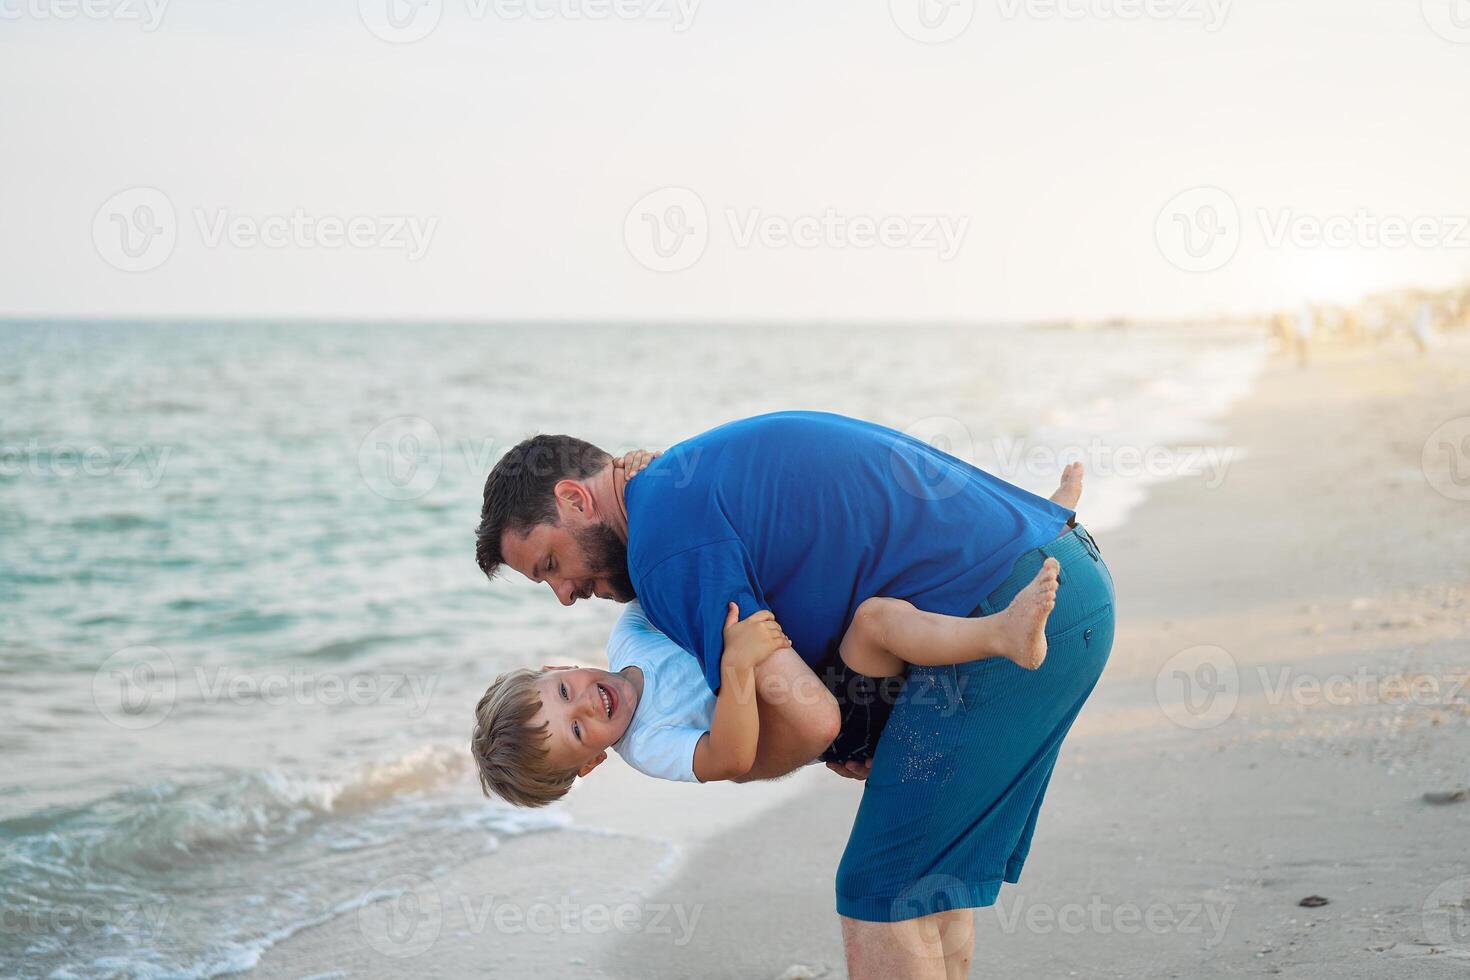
(728, 750)
(777, 733)
(799, 717)
(687, 596)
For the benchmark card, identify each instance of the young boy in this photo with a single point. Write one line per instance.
(537, 731)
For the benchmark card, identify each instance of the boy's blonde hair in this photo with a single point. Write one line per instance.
(509, 750)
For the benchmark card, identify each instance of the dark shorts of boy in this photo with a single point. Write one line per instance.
(865, 703)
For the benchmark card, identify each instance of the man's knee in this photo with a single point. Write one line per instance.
(957, 941)
(908, 948)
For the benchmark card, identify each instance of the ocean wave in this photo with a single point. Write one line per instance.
(158, 867)
(167, 823)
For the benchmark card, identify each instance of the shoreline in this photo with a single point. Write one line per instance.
(1216, 833)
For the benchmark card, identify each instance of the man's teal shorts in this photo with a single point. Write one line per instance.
(957, 782)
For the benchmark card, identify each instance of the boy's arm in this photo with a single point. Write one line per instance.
(728, 749)
(635, 461)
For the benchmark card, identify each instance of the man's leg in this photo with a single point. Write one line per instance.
(935, 947)
(958, 778)
(958, 937)
(799, 716)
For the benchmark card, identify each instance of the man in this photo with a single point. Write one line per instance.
(808, 515)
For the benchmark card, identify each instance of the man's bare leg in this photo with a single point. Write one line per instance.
(930, 948)
(958, 939)
(799, 717)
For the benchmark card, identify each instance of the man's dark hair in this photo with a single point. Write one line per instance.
(518, 491)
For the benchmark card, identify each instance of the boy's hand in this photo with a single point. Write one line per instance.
(753, 639)
(635, 461)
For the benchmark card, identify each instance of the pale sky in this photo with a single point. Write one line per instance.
(497, 164)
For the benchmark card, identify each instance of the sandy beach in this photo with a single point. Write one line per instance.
(1317, 596)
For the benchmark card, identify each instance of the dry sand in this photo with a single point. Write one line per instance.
(1325, 571)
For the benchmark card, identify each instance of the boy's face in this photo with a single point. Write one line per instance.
(587, 710)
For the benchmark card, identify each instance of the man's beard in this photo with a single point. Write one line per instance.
(607, 556)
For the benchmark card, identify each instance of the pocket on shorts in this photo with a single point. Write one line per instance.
(1087, 622)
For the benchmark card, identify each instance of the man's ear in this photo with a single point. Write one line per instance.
(601, 757)
(570, 493)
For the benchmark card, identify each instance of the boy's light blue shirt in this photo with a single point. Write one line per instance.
(676, 707)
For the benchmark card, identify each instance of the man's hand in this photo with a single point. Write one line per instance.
(634, 462)
(852, 770)
(751, 641)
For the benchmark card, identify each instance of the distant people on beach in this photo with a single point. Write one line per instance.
(1303, 328)
(1422, 331)
(1424, 319)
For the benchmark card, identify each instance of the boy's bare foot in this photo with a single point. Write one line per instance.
(1025, 618)
(1070, 490)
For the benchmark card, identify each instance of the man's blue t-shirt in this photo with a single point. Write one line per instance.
(808, 514)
